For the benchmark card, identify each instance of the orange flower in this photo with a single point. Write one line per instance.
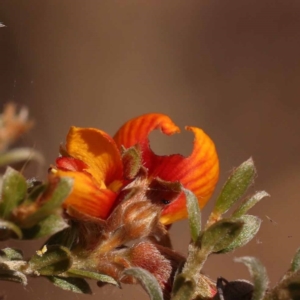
(94, 161)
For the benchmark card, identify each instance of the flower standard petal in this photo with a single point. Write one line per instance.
(136, 130)
(98, 151)
(198, 172)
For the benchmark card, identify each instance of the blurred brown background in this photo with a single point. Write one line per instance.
(230, 67)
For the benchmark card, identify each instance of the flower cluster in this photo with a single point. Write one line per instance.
(121, 185)
(97, 163)
(107, 206)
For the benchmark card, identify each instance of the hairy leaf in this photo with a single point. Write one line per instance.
(76, 285)
(14, 189)
(258, 274)
(148, 281)
(249, 230)
(193, 213)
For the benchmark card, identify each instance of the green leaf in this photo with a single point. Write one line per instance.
(66, 237)
(295, 265)
(14, 190)
(9, 230)
(249, 203)
(92, 275)
(48, 226)
(235, 187)
(35, 190)
(183, 288)
(53, 260)
(220, 235)
(21, 154)
(194, 214)
(258, 274)
(12, 275)
(57, 196)
(249, 230)
(148, 281)
(76, 285)
(11, 254)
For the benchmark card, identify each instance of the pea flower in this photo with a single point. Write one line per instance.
(94, 160)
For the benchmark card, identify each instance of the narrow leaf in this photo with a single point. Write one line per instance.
(193, 213)
(66, 237)
(11, 275)
(76, 285)
(21, 154)
(183, 288)
(220, 235)
(235, 187)
(51, 261)
(57, 194)
(249, 203)
(48, 226)
(93, 275)
(148, 281)
(11, 254)
(14, 189)
(9, 230)
(295, 265)
(258, 274)
(249, 230)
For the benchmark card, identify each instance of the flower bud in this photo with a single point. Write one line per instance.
(147, 256)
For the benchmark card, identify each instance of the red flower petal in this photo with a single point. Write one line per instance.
(70, 164)
(136, 130)
(199, 172)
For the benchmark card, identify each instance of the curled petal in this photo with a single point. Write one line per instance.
(98, 151)
(136, 130)
(86, 197)
(199, 173)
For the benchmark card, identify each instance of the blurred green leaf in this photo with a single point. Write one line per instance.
(235, 187)
(183, 288)
(148, 281)
(295, 265)
(57, 196)
(65, 238)
(249, 230)
(249, 203)
(48, 226)
(21, 154)
(9, 230)
(194, 214)
(11, 254)
(11, 275)
(76, 285)
(258, 274)
(14, 190)
(220, 235)
(34, 191)
(92, 275)
(53, 260)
